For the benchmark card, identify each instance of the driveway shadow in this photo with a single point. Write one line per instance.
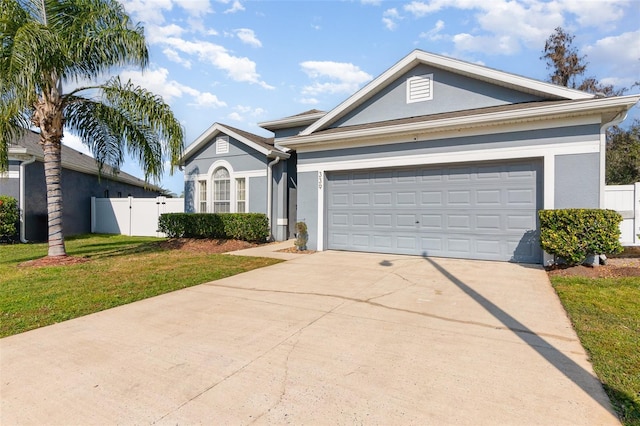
(565, 365)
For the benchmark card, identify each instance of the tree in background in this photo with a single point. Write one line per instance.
(623, 146)
(566, 65)
(46, 45)
(623, 155)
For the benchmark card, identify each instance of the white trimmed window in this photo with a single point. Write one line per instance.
(202, 196)
(221, 191)
(420, 88)
(241, 195)
(222, 145)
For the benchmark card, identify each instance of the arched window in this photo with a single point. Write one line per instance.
(221, 191)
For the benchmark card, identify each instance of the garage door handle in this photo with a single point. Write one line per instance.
(417, 221)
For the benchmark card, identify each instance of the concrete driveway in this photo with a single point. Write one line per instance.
(328, 338)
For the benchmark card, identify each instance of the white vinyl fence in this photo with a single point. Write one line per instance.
(625, 200)
(131, 216)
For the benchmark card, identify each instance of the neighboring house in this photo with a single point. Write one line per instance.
(80, 181)
(435, 157)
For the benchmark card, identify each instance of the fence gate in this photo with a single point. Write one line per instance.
(625, 200)
(131, 216)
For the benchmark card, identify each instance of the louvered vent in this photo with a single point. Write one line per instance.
(222, 145)
(419, 88)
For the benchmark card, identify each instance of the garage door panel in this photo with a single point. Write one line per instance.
(481, 211)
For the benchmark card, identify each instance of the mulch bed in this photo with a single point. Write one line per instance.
(209, 246)
(615, 268)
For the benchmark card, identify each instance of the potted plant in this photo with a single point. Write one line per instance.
(301, 236)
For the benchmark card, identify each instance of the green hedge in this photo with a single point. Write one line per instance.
(574, 234)
(9, 216)
(253, 227)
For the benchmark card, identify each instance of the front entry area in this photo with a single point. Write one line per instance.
(485, 211)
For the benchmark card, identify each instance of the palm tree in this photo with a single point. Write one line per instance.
(46, 45)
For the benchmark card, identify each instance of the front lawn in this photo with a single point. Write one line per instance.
(605, 313)
(120, 270)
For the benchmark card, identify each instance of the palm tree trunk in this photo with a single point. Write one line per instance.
(53, 177)
(48, 117)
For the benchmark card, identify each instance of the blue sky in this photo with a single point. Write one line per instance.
(243, 62)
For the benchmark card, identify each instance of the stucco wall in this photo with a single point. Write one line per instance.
(451, 92)
(572, 134)
(240, 156)
(308, 205)
(11, 186)
(577, 181)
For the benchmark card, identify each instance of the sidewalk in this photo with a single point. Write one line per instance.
(269, 250)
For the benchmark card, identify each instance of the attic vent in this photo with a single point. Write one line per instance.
(419, 88)
(222, 145)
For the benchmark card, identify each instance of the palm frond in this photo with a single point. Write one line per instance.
(126, 119)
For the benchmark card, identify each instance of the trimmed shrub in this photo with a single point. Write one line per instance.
(574, 234)
(9, 216)
(253, 227)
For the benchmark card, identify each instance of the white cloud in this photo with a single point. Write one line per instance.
(157, 33)
(235, 7)
(157, 82)
(504, 45)
(206, 99)
(420, 9)
(505, 26)
(434, 33)
(148, 11)
(195, 7)
(242, 111)
(237, 68)
(595, 13)
(247, 36)
(235, 116)
(389, 18)
(344, 77)
(371, 2)
(620, 55)
(173, 56)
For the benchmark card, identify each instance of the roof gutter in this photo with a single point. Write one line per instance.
(23, 166)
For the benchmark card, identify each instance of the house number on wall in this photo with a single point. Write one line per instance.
(320, 180)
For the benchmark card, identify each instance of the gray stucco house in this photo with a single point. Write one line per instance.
(80, 181)
(435, 157)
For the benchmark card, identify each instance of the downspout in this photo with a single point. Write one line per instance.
(22, 197)
(619, 118)
(270, 194)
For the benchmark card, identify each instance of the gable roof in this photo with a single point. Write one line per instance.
(261, 144)
(478, 72)
(28, 145)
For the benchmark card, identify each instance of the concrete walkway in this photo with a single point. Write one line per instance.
(327, 338)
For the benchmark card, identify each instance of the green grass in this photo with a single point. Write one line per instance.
(606, 315)
(121, 270)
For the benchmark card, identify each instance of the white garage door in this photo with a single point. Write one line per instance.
(473, 211)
